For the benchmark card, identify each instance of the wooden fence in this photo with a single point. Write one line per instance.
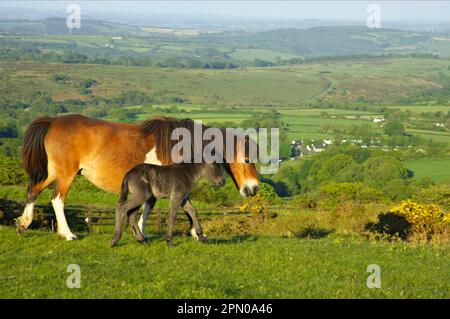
(95, 216)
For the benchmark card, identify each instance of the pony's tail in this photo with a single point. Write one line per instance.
(124, 190)
(34, 155)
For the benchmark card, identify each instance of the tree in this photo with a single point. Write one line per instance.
(380, 170)
(393, 128)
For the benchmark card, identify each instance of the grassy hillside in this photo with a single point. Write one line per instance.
(383, 81)
(35, 266)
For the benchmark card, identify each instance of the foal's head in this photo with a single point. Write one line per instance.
(214, 172)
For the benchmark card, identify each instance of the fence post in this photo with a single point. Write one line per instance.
(159, 220)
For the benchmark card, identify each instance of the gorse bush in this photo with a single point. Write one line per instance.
(411, 220)
(258, 205)
(422, 218)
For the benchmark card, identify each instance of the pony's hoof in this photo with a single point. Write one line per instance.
(20, 230)
(69, 237)
(114, 242)
(170, 243)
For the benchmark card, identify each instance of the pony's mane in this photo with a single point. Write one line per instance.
(161, 127)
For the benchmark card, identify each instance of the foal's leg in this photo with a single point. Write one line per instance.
(175, 203)
(132, 218)
(196, 229)
(123, 209)
(121, 218)
(148, 206)
(27, 215)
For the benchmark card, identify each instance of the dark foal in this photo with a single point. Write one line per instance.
(147, 182)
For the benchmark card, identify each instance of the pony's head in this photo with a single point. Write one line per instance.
(241, 167)
(238, 156)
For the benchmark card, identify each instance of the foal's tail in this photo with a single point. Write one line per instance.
(34, 155)
(124, 190)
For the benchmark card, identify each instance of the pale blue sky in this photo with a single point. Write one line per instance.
(325, 10)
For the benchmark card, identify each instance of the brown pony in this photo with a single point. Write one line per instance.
(56, 149)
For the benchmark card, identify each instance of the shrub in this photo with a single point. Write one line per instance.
(11, 171)
(412, 220)
(303, 201)
(332, 193)
(227, 195)
(436, 194)
(256, 206)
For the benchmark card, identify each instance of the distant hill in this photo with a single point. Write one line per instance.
(257, 48)
(58, 26)
(342, 40)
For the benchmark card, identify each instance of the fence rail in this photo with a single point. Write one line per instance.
(95, 216)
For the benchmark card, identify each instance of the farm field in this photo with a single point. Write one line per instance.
(35, 266)
(437, 136)
(437, 170)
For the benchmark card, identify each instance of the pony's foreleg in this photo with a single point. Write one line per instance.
(196, 229)
(148, 206)
(59, 195)
(27, 215)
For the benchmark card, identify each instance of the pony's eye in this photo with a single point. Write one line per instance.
(246, 161)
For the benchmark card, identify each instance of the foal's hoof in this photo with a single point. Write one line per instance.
(170, 243)
(114, 242)
(203, 239)
(144, 241)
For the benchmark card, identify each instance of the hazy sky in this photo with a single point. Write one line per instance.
(325, 10)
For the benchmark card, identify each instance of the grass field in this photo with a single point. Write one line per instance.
(35, 266)
(437, 170)
(267, 55)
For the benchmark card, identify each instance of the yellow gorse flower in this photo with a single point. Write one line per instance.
(420, 215)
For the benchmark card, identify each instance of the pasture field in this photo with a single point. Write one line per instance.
(267, 55)
(431, 135)
(437, 170)
(35, 266)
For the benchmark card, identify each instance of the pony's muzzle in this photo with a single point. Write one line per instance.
(249, 190)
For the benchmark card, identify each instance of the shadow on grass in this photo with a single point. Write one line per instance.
(390, 225)
(313, 233)
(232, 240)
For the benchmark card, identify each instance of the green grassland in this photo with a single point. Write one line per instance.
(437, 170)
(35, 266)
(266, 55)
